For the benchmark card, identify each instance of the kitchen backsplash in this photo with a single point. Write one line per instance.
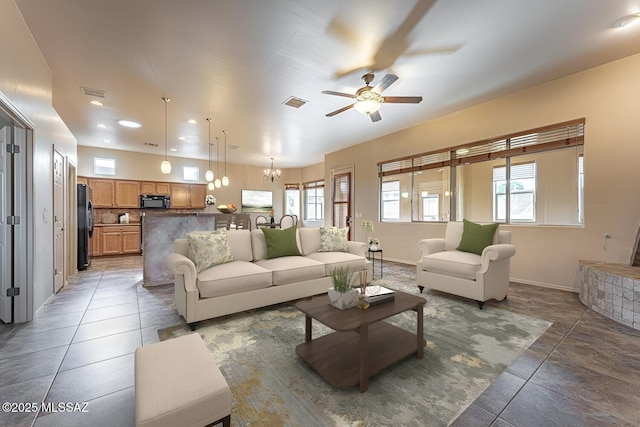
(134, 214)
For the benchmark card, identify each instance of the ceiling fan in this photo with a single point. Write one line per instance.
(368, 99)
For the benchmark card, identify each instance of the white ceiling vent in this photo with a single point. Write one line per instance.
(150, 144)
(294, 102)
(97, 93)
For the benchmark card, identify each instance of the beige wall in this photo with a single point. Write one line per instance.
(25, 80)
(606, 96)
(146, 167)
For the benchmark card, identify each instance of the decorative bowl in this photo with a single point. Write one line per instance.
(227, 210)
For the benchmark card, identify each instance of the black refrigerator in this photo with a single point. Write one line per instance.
(85, 226)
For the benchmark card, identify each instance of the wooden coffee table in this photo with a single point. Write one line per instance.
(362, 344)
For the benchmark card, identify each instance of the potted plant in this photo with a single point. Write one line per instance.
(342, 295)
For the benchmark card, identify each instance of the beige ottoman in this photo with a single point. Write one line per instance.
(177, 383)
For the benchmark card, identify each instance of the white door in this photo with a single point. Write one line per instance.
(58, 220)
(6, 264)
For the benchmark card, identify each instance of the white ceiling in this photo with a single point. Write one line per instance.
(238, 61)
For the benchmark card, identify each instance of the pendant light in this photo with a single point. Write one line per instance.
(225, 178)
(218, 183)
(165, 166)
(209, 175)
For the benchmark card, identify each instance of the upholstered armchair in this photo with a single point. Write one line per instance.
(481, 276)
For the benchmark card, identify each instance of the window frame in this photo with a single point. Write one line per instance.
(317, 188)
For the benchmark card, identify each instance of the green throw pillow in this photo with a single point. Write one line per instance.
(476, 237)
(281, 242)
(333, 239)
(209, 248)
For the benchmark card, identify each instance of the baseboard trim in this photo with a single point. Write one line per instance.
(544, 285)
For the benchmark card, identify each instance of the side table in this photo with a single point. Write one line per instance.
(372, 256)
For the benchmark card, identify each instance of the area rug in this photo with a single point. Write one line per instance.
(466, 350)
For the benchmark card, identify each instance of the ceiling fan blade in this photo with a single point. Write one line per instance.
(386, 81)
(403, 99)
(330, 92)
(375, 116)
(333, 113)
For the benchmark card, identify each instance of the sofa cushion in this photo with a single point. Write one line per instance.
(453, 263)
(333, 239)
(209, 248)
(292, 269)
(476, 237)
(309, 240)
(333, 260)
(240, 244)
(232, 278)
(281, 242)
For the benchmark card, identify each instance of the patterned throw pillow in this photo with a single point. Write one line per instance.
(209, 248)
(333, 239)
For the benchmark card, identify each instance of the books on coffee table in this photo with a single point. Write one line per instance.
(379, 294)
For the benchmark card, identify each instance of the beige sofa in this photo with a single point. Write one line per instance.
(481, 277)
(251, 280)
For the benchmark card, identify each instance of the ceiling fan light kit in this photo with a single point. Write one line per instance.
(165, 166)
(369, 99)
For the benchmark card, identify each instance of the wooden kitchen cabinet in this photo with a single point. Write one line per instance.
(155, 188)
(197, 193)
(188, 196)
(121, 239)
(81, 180)
(96, 241)
(103, 192)
(179, 195)
(127, 194)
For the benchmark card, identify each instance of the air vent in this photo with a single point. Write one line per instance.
(232, 147)
(295, 102)
(150, 144)
(97, 93)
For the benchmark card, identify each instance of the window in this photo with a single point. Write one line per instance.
(581, 188)
(104, 166)
(390, 201)
(314, 200)
(292, 199)
(532, 177)
(191, 173)
(522, 192)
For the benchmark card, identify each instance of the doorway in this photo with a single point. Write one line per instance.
(16, 283)
(342, 198)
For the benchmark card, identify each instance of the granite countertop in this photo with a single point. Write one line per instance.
(622, 270)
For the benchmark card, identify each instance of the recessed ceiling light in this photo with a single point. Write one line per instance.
(192, 121)
(101, 126)
(98, 103)
(129, 124)
(182, 138)
(106, 140)
(628, 21)
(173, 149)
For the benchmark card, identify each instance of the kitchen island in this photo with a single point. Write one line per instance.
(160, 229)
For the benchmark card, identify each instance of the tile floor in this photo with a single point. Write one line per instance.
(584, 370)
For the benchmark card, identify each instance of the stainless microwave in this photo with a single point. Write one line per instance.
(158, 201)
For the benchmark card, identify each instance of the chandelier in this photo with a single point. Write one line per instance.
(272, 174)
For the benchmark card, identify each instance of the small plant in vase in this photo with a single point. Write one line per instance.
(342, 295)
(374, 244)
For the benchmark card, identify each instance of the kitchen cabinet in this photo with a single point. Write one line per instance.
(197, 193)
(155, 188)
(188, 196)
(96, 241)
(103, 192)
(81, 180)
(121, 239)
(127, 194)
